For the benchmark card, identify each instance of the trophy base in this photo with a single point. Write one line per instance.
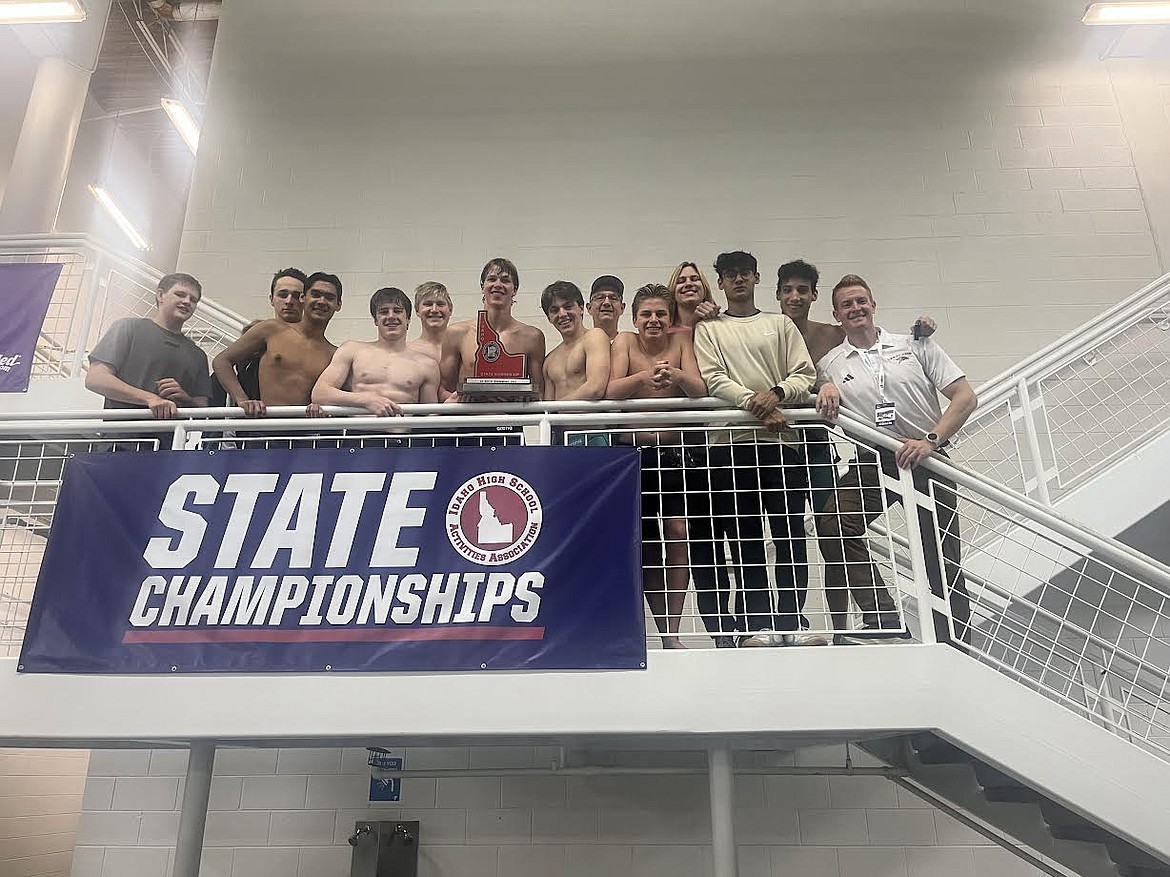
(498, 390)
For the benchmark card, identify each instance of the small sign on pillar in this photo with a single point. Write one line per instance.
(383, 788)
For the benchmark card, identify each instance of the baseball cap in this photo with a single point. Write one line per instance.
(607, 281)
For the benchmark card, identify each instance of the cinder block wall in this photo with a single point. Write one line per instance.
(40, 799)
(288, 812)
(1004, 188)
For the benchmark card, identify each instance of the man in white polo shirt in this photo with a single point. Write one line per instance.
(894, 382)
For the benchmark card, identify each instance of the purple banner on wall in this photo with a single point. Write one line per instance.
(334, 560)
(25, 293)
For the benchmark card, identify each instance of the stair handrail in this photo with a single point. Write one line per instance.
(1118, 553)
(1072, 344)
(138, 270)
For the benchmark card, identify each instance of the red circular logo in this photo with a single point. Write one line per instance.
(494, 518)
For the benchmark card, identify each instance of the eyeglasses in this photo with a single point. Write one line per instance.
(605, 296)
(737, 273)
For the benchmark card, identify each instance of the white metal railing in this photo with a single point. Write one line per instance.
(1078, 617)
(96, 287)
(1070, 411)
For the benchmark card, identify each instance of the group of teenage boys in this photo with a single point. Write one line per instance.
(709, 491)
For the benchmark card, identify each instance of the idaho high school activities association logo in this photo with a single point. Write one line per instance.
(494, 518)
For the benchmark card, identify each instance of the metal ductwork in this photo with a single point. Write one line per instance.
(191, 10)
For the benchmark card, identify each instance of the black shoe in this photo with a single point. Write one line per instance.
(724, 642)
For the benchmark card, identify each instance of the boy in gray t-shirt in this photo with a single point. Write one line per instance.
(148, 362)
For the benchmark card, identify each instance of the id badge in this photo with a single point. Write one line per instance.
(883, 414)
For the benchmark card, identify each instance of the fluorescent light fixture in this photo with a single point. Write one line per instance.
(40, 11)
(116, 214)
(183, 121)
(1139, 12)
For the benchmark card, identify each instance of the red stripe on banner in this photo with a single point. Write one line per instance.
(359, 635)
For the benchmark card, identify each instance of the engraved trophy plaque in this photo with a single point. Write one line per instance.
(497, 374)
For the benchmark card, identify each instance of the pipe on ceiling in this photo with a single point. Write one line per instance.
(191, 10)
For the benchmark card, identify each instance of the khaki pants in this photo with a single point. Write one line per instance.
(849, 568)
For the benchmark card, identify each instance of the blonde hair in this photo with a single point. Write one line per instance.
(432, 288)
(849, 280)
(672, 284)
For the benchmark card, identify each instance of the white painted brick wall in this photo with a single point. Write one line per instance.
(40, 800)
(983, 198)
(531, 826)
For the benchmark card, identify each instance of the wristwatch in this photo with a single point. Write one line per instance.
(932, 437)
(778, 391)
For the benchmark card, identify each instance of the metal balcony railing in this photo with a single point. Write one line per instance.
(1078, 617)
(1064, 415)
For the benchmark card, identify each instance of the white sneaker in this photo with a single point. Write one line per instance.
(808, 639)
(765, 639)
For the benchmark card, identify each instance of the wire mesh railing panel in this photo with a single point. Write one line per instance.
(732, 530)
(62, 329)
(30, 478)
(1050, 613)
(1087, 408)
(1111, 400)
(995, 445)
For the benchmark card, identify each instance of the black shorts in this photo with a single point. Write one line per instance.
(663, 483)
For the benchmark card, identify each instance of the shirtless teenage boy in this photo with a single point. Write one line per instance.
(499, 281)
(286, 295)
(432, 304)
(294, 354)
(578, 367)
(380, 375)
(656, 364)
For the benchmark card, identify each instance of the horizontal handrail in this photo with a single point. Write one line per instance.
(1072, 344)
(674, 412)
(298, 411)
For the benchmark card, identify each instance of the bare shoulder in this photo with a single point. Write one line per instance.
(530, 333)
(268, 328)
(596, 336)
(623, 340)
(457, 331)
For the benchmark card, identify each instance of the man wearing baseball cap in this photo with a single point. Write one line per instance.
(605, 304)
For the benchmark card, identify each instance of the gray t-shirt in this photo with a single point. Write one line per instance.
(142, 353)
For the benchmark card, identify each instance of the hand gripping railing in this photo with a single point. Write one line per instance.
(1078, 617)
(1063, 415)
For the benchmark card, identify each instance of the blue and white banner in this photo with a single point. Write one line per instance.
(337, 560)
(25, 293)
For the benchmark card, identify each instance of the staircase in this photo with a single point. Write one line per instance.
(938, 769)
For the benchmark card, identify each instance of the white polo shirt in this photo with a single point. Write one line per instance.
(915, 372)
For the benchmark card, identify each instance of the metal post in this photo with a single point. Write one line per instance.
(91, 283)
(193, 816)
(918, 559)
(1033, 437)
(40, 164)
(721, 777)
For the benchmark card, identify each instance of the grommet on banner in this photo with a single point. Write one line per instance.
(328, 666)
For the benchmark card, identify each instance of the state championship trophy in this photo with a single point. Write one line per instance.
(497, 375)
